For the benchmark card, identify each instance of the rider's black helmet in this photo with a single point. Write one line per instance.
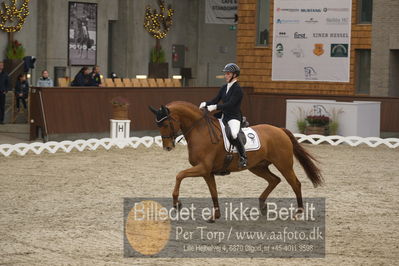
(232, 68)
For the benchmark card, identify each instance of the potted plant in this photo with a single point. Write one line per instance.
(317, 124)
(15, 53)
(120, 109)
(15, 50)
(158, 23)
(158, 68)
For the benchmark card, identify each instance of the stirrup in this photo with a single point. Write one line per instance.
(242, 162)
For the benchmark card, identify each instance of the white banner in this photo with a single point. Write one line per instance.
(311, 40)
(221, 11)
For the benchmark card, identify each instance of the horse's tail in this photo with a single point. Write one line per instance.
(306, 160)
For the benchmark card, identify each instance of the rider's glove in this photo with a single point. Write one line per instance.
(202, 105)
(211, 107)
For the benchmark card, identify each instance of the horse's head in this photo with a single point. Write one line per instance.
(168, 126)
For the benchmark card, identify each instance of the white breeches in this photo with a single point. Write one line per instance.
(234, 125)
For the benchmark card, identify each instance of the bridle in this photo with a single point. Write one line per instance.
(173, 135)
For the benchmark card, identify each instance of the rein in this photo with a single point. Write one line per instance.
(211, 129)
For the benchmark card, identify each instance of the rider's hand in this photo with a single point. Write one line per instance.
(211, 107)
(202, 105)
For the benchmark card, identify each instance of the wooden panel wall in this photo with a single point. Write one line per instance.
(256, 61)
(88, 109)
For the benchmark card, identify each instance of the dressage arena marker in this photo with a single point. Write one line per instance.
(134, 142)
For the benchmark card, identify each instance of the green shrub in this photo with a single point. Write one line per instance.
(301, 124)
(157, 55)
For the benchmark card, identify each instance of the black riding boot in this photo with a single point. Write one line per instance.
(241, 150)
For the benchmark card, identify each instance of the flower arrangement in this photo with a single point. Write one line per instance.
(120, 108)
(119, 101)
(318, 120)
(314, 122)
(15, 50)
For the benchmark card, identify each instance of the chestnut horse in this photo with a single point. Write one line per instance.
(206, 152)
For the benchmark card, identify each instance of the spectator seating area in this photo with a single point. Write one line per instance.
(127, 82)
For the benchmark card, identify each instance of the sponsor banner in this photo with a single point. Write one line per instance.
(311, 40)
(221, 11)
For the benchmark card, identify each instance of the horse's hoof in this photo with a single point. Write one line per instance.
(299, 214)
(211, 221)
(178, 205)
(263, 211)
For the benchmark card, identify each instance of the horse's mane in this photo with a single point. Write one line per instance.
(183, 105)
(177, 104)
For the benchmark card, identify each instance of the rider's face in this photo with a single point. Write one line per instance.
(228, 76)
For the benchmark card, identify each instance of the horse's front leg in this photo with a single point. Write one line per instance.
(210, 181)
(198, 170)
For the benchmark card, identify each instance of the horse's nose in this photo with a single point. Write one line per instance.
(167, 148)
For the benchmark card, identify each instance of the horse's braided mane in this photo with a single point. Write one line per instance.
(189, 105)
(184, 103)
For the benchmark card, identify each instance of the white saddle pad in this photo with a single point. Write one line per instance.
(253, 143)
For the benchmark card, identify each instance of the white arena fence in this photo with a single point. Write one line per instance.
(134, 142)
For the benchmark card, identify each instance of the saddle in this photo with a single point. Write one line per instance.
(240, 135)
(229, 156)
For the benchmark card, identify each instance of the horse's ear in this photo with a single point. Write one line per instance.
(152, 109)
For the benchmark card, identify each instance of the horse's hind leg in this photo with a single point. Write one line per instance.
(292, 179)
(263, 171)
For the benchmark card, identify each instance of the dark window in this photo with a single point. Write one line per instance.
(365, 11)
(363, 58)
(393, 73)
(263, 27)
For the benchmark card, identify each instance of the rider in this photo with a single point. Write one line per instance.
(231, 95)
